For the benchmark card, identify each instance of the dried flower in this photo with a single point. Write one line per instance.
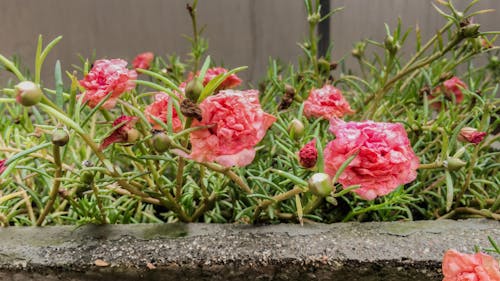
(472, 135)
(327, 102)
(143, 60)
(239, 123)
(159, 109)
(107, 76)
(385, 158)
(308, 155)
(124, 133)
(287, 98)
(465, 267)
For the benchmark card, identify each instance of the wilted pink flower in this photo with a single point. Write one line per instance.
(239, 123)
(464, 267)
(308, 155)
(2, 166)
(327, 102)
(450, 87)
(384, 158)
(124, 133)
(107, 76)
(143, 60)
(472, 135)
(159, 109)
(232, 81)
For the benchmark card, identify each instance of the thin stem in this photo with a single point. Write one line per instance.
(55, 186)
(403, 72)
(232, 175)
(99, 203)
(277, 198)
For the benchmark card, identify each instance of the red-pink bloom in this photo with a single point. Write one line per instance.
(2, 166)
(308, 155)
(143, 60)
(472, 135)
(230, 82)
(385, 158)
(238, 124)
(465, 267)
(122, 134)
(107, 76)
(159, 109)
(327, 102)
(451, 87)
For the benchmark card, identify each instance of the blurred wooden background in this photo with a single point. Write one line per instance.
(240, 32)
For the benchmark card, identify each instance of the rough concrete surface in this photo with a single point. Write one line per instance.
(346, 251)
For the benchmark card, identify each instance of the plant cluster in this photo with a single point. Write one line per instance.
(163, 141)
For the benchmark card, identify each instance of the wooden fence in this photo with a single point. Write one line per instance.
(240, 32)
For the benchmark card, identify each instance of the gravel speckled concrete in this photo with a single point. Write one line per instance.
(348, 251)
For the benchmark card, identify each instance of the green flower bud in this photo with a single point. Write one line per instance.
(470, 30)
(87, 177)
(320, 184)
(296, 128)
(28, 93)
(161, 142)
(60, 137)
(324, 65)
(391, 44)
(194, 89)
(453, 164)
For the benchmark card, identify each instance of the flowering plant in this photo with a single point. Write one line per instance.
(146, 141)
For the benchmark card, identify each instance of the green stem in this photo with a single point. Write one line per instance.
(99, 203)
(403, 72)
(277, 198)
(55, 186)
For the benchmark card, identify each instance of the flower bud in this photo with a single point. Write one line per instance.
(60, 137)
(28, 93)
(453, 164)
(161, 142)
(471, 135)
(87, 177)
(308, 155)
(320, 184)
(324, 65)
(391, 44)
(296, 128)
(194, 89)
(470, 30)
(132, 135)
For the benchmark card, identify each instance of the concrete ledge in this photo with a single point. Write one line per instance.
(347, 251)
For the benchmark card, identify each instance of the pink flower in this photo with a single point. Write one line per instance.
(124, 133)
(239, 123)
(384, 158)
(143, 60)
(327, 102)
(2, 166)
(107, 76)
(159, 109)
(472, 135)
(230, 82)
(308, 155)
(464, 267)
(450, 87)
